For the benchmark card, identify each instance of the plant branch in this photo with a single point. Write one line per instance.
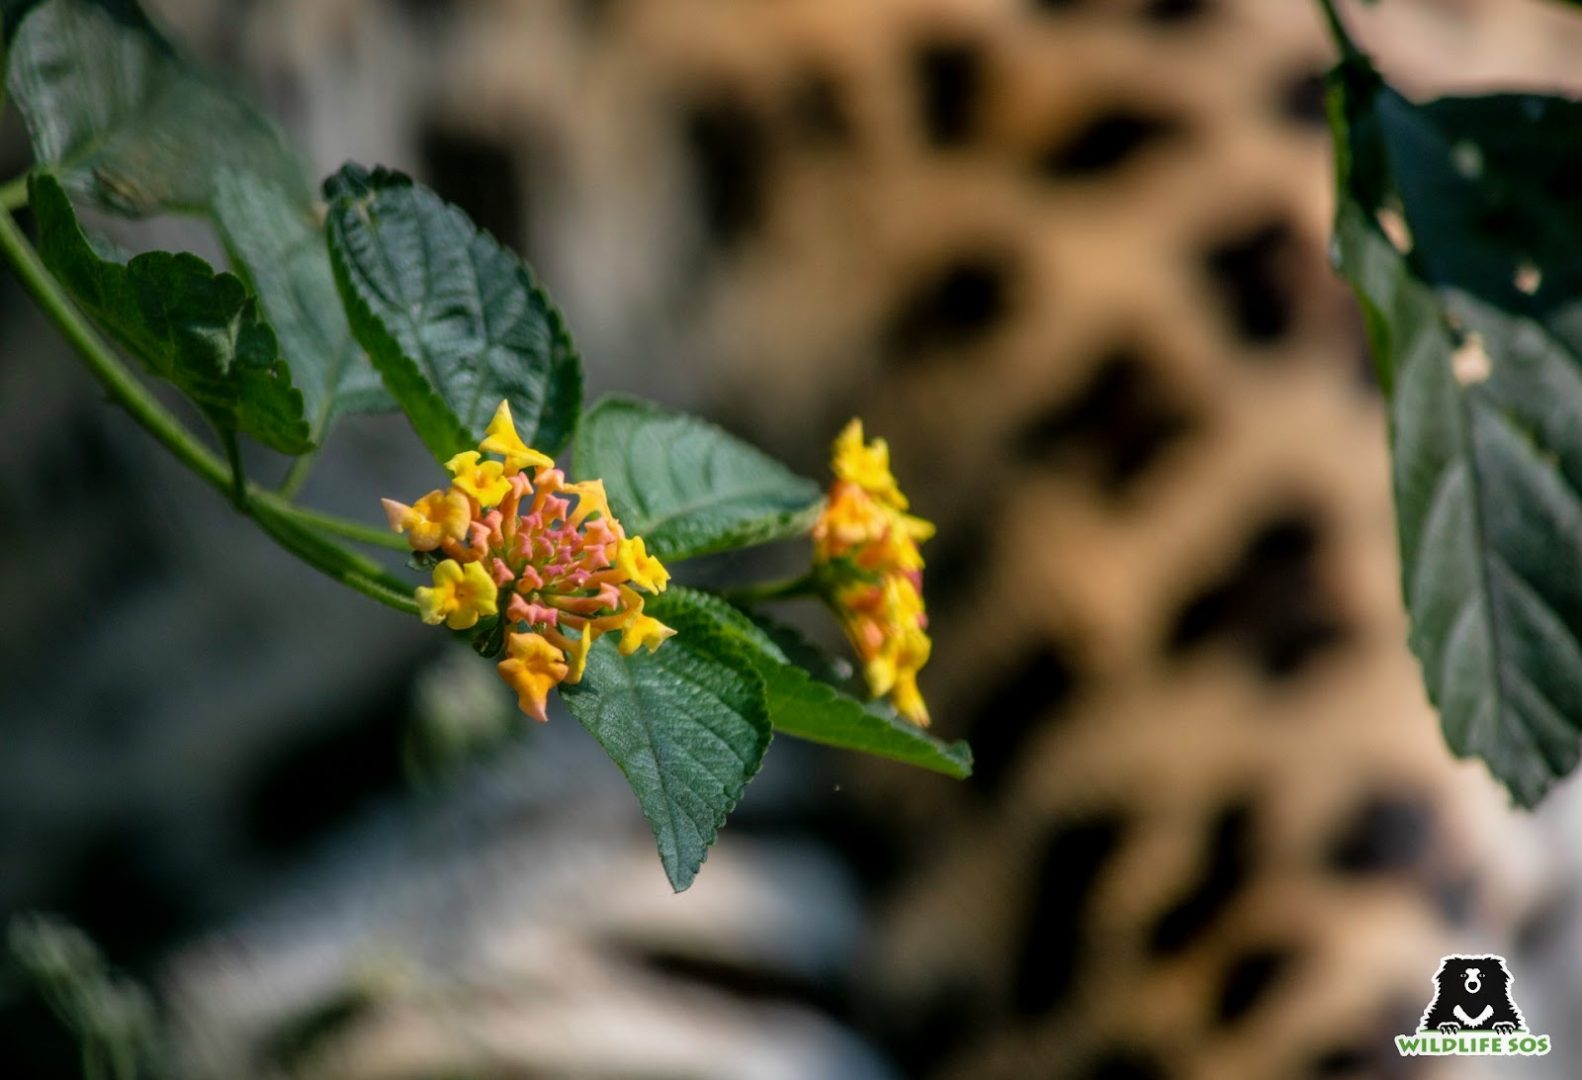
(337, 526)
(1337, 30)
(350, 570)
(125, 390)
(297, 475)
(352, 560)
(13, 196)
(786, 589)
(289, 526)
(233, 456)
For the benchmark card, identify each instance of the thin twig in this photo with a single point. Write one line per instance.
(339, 526)
(787, 589)
(13, 195)
(288, 525)
(297, 475)
(1337, 30)
(233, 456)
(125, 390)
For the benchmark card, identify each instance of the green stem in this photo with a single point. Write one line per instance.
(338, 526)
(92, 1061)
(233, 456)
(1337, 30)
(785, 589)
(357, 574)
(298, 474)
(85, 341)
(286, 520)
(123, 1061)
(13, 196)
(287, 525)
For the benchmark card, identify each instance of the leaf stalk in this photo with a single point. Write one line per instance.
(297, 475)
(287, 525)
(784, 589)
(1337, 31)
(371, 535)
(233, 455)
(13, 195)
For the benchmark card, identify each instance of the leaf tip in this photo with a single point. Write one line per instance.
(681, 877)
(354, 181)
(960, 754)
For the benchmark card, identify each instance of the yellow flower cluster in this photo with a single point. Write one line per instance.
(549, 551)
(865, 545)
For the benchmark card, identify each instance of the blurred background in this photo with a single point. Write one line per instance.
(1069, 257)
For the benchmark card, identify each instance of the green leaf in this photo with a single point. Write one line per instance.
(452, 320)
(687, 726)
(686, 487)
(1478, 333)
(804, 706)
(198, 329)
(276, 241)
(127, 122)
(123, 118)
(112, 1018)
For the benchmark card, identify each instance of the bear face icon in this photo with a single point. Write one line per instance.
(1473, 993)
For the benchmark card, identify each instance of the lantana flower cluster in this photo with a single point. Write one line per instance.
(865, 548)
(516, 535)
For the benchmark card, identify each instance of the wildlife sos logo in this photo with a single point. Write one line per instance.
(1473, 1013)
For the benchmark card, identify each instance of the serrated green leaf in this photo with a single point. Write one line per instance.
(128, 123)
(686, 487)
(687, 726)
(452, 320)
(807, 707)
(186, 323)
(279, 245)
(123, 118)
(1479, 336)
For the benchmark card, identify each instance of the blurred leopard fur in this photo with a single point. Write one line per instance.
(1070, 258)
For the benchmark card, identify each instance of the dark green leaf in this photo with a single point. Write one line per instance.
(686, 725)
(452, 320)
(1478, 334)
(187, 324)
(125, 121)
(279, 245)
(686, 487)
(802, 706)
(806, 707)
(123, 118)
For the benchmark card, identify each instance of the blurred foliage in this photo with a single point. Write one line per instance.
(112, 1018)
(1458, 229)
